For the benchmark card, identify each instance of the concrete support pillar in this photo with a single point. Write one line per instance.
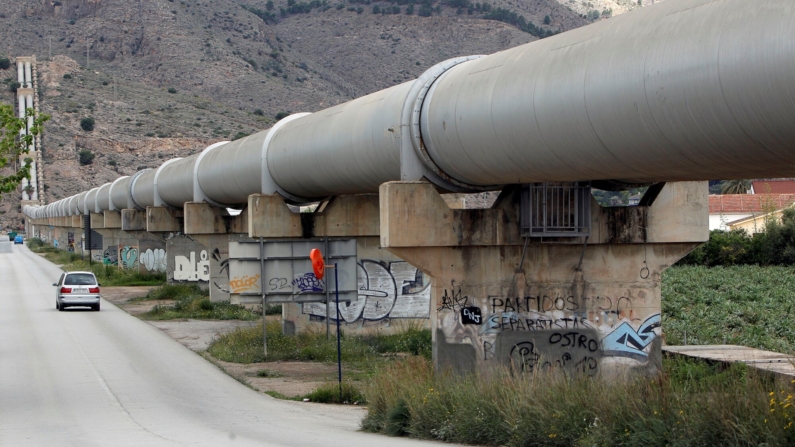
(392, 292)
(589, 306)
(133, 220)
(163, 220)
(112, 219)
(20, 72)
(209, 230)
(97, 221)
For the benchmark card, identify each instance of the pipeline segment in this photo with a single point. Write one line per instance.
(682, 90)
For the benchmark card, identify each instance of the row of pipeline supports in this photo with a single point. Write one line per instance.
(27, 98)
(490, 296)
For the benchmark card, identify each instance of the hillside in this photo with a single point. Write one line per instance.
(165, 78)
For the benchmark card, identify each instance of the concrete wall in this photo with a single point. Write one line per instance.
(392, 295)
(202, 260)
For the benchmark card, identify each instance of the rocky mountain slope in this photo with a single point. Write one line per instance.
(165, 78)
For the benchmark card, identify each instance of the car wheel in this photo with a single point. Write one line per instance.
(61, 307)
(96, 307)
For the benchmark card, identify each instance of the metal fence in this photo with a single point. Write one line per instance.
(556, 209)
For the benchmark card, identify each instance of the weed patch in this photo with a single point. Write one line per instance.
(245, 345)
(329, 393)
(690, 405)
(192, 302)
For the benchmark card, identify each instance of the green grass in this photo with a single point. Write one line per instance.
(747, 305)
(113, 276)
(692, 404)
(52, 254)
(192, 302)
(107, 275)
(245, 345)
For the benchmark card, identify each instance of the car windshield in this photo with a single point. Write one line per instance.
(79, 279)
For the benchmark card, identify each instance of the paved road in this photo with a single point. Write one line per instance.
(81, 378)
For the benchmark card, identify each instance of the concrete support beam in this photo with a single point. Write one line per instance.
(344, 216)
(97, 221)
(112, 219)
(592, 308)
(133, 220)
(163, 220)
(202, 218)
(77, 221)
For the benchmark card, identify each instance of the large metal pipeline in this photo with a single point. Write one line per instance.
(682, 90)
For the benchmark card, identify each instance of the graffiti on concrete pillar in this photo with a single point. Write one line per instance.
(128, 257)
(71, 242)
(224, 264)
(386, 290)
(625, 341)
(189, 268)
(154, 260)
(111, 255)
(55, 243)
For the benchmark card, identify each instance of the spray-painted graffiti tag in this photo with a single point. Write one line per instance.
(386, 290)
(154, 260)
(308, 283)
(128, 257)
(240, 284)
(111, 255)
(189, 269)
(625, 341)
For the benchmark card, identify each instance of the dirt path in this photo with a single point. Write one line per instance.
(289, 379)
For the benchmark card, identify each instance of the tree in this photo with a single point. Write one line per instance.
(269, 5)
(547, 20)
(86, 157)
(87, 124)
(735, 187)
(4, 63)
(12, 144)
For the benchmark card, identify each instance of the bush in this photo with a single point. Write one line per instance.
(4, 63)
(87, 124)
(259, 112)
(67, 76)
(86, 157)
(14, 86)
(776, 246)
(281, 115)
(192, 302)
(329, 393)
(172, 90)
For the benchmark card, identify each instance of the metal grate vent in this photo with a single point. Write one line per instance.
(556, 209)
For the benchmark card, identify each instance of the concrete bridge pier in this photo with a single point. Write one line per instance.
(201, 253)
(392, 294)
(591, 306)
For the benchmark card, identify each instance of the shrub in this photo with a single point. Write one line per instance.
(172, 90)
(67, 76)
(87, 124)
(281, 115)
(4, 63)
(86, 157)
(259, 112)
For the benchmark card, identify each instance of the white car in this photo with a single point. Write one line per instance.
(77, 289)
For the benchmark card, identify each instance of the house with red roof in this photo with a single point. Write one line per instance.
(728, 208)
